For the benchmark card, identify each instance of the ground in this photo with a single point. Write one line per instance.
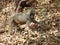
(45, 32)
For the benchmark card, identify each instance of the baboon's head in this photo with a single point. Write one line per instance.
(32, 14)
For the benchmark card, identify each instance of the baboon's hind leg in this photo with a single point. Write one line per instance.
(10, 24)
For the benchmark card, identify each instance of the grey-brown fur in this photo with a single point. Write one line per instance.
(22, 18)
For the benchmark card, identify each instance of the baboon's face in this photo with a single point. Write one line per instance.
(32, 16)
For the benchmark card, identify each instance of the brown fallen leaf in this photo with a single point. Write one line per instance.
(2, 30)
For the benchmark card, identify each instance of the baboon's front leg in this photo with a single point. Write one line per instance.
(15, 30)
(28, 23)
